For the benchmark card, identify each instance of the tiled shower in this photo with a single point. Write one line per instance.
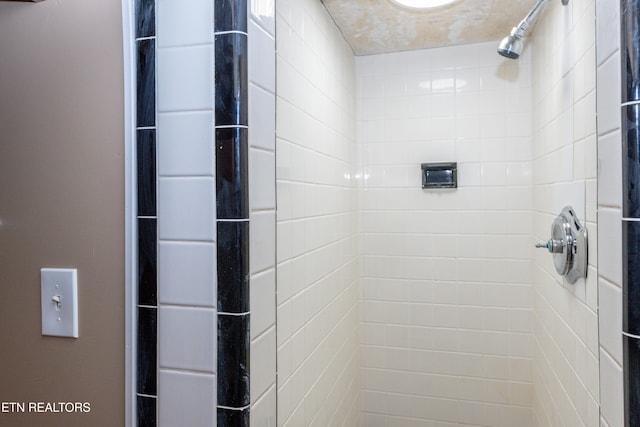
(396, 306)
(447, 320)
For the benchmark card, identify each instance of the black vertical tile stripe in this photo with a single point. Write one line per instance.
(232, 176)
(147, 261)
(145, 18)
(147, 350)
(231, 81)
(631, 276)
(233, 266)
(146, 83)
(233, 357)
(146, 411)
(230, 15)
(146, 163)
(232, 203)
(231, 418)
(631, 362)
(630, 118)
(146, 377)
(631, 161)
(630, 50)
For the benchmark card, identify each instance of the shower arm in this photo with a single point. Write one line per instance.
(532, 15)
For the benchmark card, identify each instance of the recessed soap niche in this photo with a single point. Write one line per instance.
(439, 175)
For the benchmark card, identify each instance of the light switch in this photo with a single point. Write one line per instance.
(59, 299)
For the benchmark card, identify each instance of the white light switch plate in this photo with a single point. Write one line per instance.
(59, 299)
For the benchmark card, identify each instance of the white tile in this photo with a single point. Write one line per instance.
(263, 235)
(186, 399)
(570, 194)
(187, 338)
(611, 391)
(186, 144)
(263, 364)
(607, 28)
(494, 174)
(262, 57)
(610, 245)
(185, 78)
(610, 170)
(187, 273)
(610, 319)
(262, 172)
(263, 302)
(264, 12)
(469, 174)
(316, 118)
(263, 412)
(184, 22)
(186, 209)
(262, 116)
(609, 97)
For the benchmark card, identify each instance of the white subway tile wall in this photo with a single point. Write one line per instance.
(187, 339)
(262, 201)
(187, 334)
(186, 398)
(187, 272)
(186, 208)
(184, 75)
(317, 348)
(447, 324)
(565, 172)
(448, 286)
(609, 212)
(184, 23)
(184, 145)
(612, 380)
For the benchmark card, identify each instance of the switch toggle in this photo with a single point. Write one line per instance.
(59, 300)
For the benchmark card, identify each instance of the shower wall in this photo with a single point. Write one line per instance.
(564, 173)
(610, 301)
(447, 325)
(317, 292)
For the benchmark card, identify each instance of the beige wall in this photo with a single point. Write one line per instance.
(62, 204)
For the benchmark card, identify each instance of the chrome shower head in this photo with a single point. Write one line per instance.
(512, 45)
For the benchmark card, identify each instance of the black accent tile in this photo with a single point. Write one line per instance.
(231, 81)
(631, 161)
(232, 175)
(631, 276)
(145, 18)
(233, 361)
(147, 350)
(631, 348)
(630, 49)
(146, 83)
(233, 266)
(231, 418)
(146, 411)
(147, 261)
(146, 163)
(230, 15)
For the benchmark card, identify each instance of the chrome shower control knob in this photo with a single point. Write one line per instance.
(553, 246)
(568, 244)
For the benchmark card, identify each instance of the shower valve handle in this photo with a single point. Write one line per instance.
(553, 246)
(568, 245)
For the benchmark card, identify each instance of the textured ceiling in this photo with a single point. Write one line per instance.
(376, 26)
